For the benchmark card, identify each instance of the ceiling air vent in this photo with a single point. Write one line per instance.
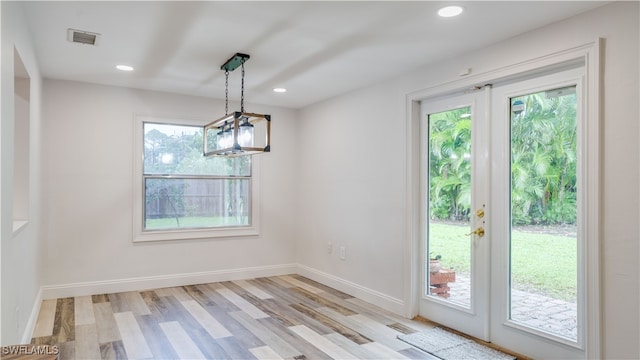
(82, 37)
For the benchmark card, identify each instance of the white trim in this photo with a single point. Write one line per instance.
(411, 212)
(591, 54)
(384, 301)
(157, 282)
(592, 166)
(543, 63)
(33, 318)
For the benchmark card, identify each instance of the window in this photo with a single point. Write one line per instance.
(180, 194)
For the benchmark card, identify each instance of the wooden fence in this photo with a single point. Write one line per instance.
(197, 197)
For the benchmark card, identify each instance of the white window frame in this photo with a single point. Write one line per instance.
(140, 235)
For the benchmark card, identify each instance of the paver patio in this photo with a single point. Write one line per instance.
(542, 312)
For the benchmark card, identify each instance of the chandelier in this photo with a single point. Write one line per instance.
(237, 133)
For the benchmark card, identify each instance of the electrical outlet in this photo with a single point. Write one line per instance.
(329, 248)
(343, 253)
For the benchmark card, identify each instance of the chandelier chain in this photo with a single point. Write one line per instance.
(226, 92)
(242, 89)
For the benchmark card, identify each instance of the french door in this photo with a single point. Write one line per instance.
(454, 158)
(502, 214)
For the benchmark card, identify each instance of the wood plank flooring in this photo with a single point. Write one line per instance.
(281, 317)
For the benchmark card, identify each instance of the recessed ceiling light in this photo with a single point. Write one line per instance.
(279, 90)
(124, 67)
(450, 11)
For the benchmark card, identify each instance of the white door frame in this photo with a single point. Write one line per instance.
(505, 331)
(473, 319)
(587, 54)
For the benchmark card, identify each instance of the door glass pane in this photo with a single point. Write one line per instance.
(448, 273)
(543, 243)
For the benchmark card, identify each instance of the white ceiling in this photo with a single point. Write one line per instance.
(314, 49)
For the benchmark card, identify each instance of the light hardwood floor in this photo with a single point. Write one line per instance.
(282, 317)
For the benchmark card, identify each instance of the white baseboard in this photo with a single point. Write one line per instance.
(33, 317)
(384, 301)
(156, 282)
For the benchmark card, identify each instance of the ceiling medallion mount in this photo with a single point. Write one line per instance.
(237, 133)
(235, 61)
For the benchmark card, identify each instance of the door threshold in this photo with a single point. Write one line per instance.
(481, 342)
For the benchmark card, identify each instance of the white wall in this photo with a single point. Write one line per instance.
(352, 176)
(21, 252)
(88, 191)
(351, 190)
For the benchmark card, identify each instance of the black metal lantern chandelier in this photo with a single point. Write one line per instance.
(237, 133)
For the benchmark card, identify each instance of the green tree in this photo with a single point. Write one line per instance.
(543, 160)
(450, 164)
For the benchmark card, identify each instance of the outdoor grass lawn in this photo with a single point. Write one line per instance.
(193, 222)
(541, 263)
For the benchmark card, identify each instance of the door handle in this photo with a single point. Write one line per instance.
(479, 231)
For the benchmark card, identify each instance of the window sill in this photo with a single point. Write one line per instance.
(18, 225)
(192, 234)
